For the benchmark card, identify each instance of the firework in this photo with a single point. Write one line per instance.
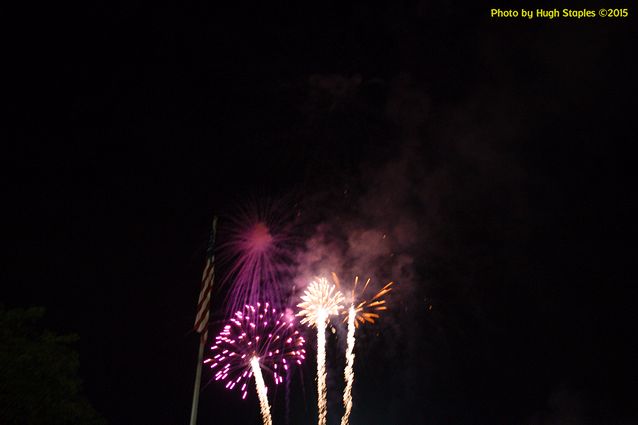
(262, 391)
(365, 311)
(320, 301)
(348, 373)
(255, 246)
(257, 337)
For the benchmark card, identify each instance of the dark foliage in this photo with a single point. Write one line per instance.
(39, 382)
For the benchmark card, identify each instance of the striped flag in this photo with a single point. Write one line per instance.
(203, 305)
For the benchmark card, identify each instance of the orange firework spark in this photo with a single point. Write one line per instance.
(366, 310)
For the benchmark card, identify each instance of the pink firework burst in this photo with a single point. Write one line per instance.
(258, 239)
(255, 247)
(261, 332)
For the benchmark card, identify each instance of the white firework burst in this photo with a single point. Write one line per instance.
(320, 301)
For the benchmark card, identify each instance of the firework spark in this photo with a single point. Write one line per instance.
(348, 373)
(255, 245)
(257, 336)
(261, 391)
(365, 311)
(320, 301)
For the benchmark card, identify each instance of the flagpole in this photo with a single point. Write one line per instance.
(198, 380)
(204, 334)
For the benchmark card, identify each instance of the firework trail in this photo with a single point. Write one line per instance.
(348, 373)
(261, 391)
(257, 337)
(255, 248)
(319, 302)
(362, 313)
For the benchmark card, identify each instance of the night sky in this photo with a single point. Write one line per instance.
(495, 155)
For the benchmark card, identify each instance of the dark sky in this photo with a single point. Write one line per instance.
(132, 123)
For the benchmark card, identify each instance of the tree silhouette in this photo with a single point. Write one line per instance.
(39, 382)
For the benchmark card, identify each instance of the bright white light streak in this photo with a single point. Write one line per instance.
(319, 302)
(261, 391)
(322, 392)
(348, 373)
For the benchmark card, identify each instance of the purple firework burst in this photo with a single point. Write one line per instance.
(255, 249)
(256, 331)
